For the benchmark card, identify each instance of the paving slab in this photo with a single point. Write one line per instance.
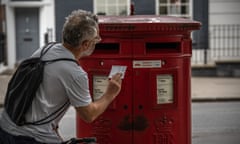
(215, 88)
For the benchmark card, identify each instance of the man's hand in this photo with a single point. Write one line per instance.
(114, 85)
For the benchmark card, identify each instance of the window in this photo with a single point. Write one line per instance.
(112, 7)
(180, 8)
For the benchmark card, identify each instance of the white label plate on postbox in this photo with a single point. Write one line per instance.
(100, 84)
(147, 64)
(164, 89)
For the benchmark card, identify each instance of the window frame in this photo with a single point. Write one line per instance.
(117, 5)
(168, 4)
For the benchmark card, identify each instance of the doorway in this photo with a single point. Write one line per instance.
(27, 32)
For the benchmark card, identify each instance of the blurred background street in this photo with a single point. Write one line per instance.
(26, 25)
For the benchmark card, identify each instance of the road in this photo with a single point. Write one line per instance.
(216, 123)
(212, 123)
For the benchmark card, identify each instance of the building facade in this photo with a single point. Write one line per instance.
(32, 23)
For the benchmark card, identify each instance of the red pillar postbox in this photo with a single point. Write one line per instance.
(154, 105)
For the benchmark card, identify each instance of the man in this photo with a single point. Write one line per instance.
(64, 81)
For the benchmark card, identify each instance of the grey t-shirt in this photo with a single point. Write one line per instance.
(63, 80)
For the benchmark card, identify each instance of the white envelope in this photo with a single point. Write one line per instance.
(118, 69)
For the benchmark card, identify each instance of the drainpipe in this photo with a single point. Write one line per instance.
(132, 8)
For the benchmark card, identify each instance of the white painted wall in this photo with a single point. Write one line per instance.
(47, 19)
(224, 12)
(11, 38)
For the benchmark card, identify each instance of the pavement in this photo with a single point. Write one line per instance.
(215, 88)
(4, 79)
(203, 88)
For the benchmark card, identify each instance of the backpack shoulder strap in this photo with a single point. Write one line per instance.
(46, 48)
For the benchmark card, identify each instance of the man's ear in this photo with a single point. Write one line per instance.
(85, 44)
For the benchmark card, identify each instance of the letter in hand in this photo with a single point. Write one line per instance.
(118, 69)
(114, 85)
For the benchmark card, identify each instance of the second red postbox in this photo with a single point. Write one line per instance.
(154, 105)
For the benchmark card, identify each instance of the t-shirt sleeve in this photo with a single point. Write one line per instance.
(78, 91)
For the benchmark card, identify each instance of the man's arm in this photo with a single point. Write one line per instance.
(94, 109)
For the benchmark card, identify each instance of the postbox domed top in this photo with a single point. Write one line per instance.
(147, 22)
(144, 19)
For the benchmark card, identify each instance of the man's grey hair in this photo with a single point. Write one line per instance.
(80, 25)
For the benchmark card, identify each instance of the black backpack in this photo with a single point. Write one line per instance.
(23, 86)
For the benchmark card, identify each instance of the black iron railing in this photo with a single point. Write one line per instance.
(224, 44)
(2, 47)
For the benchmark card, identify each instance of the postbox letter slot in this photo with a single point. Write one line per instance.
(107, 48)
(162, 47)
